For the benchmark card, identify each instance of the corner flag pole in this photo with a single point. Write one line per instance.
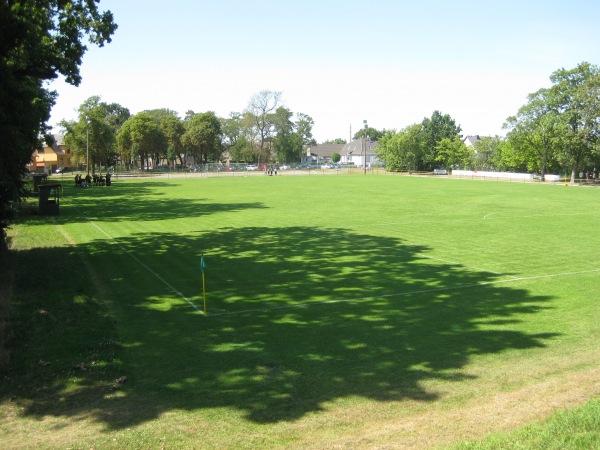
(202, 267)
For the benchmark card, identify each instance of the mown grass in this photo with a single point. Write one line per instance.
(342, 311)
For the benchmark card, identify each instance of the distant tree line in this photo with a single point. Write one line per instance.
(265, 132)
(557, 130)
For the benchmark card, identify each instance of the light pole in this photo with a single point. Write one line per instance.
(365, 144)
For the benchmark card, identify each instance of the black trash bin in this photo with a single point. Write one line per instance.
(49, 198)
(39, 178)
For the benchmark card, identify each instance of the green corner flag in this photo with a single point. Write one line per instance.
(202, 268)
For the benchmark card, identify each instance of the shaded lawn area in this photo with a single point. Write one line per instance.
(300, 318)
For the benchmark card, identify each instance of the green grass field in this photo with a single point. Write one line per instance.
(343, 311)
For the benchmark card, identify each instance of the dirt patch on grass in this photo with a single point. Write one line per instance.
(441, 426)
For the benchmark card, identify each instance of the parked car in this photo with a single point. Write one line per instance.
(62, 170)
(251, 167)
(285, 167)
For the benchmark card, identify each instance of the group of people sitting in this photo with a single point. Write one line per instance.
(92, 180)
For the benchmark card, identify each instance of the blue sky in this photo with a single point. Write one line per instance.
(391, 63)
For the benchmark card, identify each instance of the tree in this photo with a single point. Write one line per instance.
(261, 109)
(304, 124)
(336, 157)
(236, 139)
(140, 136)
(39, 40)
(291, 137)
(508, 158)
(370, 132)
(575, 96)
(95, 131)
(335, 141)
(173, 129)
(453, 154)
(536, 130)
(286, 143)
(488, 154)
(203, 136)
(434, 129)
(401, 150)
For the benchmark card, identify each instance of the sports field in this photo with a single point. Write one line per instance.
(342, 311)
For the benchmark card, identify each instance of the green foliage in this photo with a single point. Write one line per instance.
(203, 137)
(560, 126)
(335, 141)
(370, 132)
(489, 155)
(303, 127)
(95, 132)
(433, 130)
(39, 40)
(336, 157)
(173, 129)
(141, 137)
(401, 150)
(288, 143)
(537, 131)
(453, 154)
(574, 95)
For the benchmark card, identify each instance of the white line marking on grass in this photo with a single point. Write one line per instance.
(403, 294)
(490, 215)
(433, 258)
(135, 258)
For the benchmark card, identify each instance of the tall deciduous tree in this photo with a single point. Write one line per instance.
(434, 129)
(94, 133)
(287, 142)
(141, 137)
(401, 150)
(536, 130)
(236, 139)
(453, 154)
(203, 136)
(370, 132)
(172, 127)
(575, 96)
(261, 108)
(489, 154)
(39, 40)
(304, 124)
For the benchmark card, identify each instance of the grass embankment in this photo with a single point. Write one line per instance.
(342, 311)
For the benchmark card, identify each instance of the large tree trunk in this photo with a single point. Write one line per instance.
(574, 172)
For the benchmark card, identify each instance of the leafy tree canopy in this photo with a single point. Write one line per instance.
(371, 132)
(39, 40)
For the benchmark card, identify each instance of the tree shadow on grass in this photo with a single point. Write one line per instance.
(131, 200)
(298, 318)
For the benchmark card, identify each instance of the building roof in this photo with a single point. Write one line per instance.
(352, 148)
(470, 141)
(324, 150)
(356, 147)
(58, 146)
